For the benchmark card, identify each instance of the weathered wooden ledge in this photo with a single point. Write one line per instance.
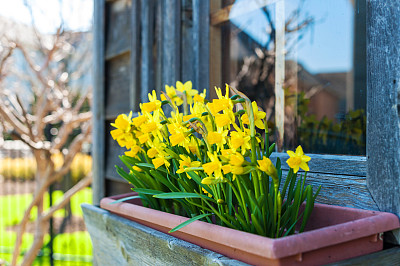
(118, 241)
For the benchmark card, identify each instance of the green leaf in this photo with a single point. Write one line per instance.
(148, 165)
(191, 220)
(179, 195)
(147, 191)
(271, 148)
(173, 154)
(159, 177)
(197, 179)
(124, 174)
(125, 199)
(257, 225)
(308, 209)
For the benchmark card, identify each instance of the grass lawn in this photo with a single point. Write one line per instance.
(67, 247)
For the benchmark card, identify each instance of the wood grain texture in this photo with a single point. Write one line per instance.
(340, 190)
(134, 88)
(98, 102)
(171, 29)
(118, 29)
(383, 92)
(187, 50)
(117, 86)
(147, 42)
(201, 44)
(215, 49)
(383, 104)
(118, 241)
(330, 164)
(382, 258)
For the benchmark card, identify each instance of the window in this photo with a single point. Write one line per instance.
(304, 62)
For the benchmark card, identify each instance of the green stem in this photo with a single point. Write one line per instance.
(243, 205)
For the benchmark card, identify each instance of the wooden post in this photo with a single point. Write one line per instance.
(170, 41)
(98, 153)
(135, 57)
(383, 92)
(201, 42)
(147, 37)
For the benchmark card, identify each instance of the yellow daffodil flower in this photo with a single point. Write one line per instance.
(177, 138)
(133, 152)
(137, 168)
(122, 134)
(186, 89)
(298, 160)
(214, 167)
(222, 120)
(144, 138)
(268, 167)
(151, 106)
(206, 192)
(200, 97)
(171, 93)
(186, 162)
(236, 159)
(159, 161)
(258, 117)
(138, 121)
(226, 169)
(240, 139)
(217, 105)
(152, 152)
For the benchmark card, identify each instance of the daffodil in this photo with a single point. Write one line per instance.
(200, 97)
(152, 152)
(138, 121)
(258, 117)
(222, 120)
(186, 162)
(152, 105)
(122, 134)
(171, 93)
(267, 166)
(144, 138)
(159, 161)
(217, 105)
(298, 160)
(213, 168)
(192, 146)
(177, 138)
(236, 159)
(187, 90)
(133, 152)
(240, 139)
(137, 168)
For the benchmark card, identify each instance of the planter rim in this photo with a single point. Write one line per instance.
(371, 224)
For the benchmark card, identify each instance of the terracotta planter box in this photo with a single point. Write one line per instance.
(332, 234)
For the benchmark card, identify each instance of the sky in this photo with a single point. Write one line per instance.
(77, 14)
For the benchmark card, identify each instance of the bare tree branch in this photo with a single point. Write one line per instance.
(67, 196)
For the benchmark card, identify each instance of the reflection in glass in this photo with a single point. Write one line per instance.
(303, 61)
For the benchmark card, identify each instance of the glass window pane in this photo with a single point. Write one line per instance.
(304, 62)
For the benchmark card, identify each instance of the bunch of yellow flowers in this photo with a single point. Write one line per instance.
(204, 158)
